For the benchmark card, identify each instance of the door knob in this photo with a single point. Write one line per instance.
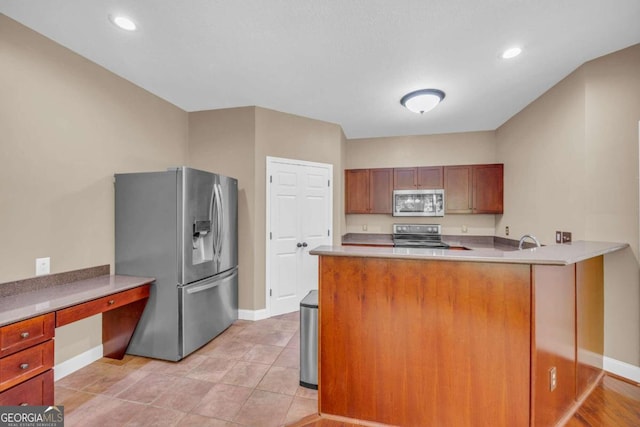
(304, 244)
(300, 245)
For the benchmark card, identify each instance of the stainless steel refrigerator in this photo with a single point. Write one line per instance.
(181, 227)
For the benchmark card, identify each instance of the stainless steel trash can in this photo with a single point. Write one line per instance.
(309, 340)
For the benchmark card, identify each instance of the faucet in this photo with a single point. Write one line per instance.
(523, 238)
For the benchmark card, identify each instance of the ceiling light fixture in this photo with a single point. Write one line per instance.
(511, 53)
(123, 22)
(423, 100)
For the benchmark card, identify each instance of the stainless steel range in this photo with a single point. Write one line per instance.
(418, 236)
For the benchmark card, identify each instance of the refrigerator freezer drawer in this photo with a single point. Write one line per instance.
(208, 307)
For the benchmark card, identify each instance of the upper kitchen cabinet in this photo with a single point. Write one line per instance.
(488, 189)
(417, 178)
(457, 189)
(431, 177)
(356, 186)
(474, 189)
(368, 190)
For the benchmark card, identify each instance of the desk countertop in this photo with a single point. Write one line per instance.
(23, 305)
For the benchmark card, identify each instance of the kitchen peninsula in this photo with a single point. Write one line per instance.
(448, 337)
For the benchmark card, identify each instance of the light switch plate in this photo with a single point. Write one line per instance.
(43, 266)
(566, 237)
(558, 236)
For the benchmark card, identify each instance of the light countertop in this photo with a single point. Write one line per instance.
(563, 254)
(23, 305)
(372, 239)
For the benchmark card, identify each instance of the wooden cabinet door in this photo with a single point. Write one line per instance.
(356, 189)
(405, 178)
(26, 333)
(488, 188)
(430, 177)
(36, 391)
(380, 190)
(457, 189)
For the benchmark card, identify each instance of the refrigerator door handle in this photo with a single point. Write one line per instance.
(214, 205)
(220, 225)
(209, 283)
(202, 288)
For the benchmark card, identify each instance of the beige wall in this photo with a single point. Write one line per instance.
(423, 150)
(292, 137)
(66, 126)
(237, 142)
(223, 141)
(571, 164)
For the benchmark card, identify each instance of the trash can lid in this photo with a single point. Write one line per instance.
(311, 300)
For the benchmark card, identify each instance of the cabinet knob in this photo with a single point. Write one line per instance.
(299, 245)
(24, 366)
(111, 302)
(24, 335)
(304, 244)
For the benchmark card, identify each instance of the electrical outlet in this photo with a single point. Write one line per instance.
(506, 230)
(464, 229)
(558, 236)
(553, 379)
(364, 227)
(566, 237)
(43, 266)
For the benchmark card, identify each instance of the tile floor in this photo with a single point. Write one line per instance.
(247, 376)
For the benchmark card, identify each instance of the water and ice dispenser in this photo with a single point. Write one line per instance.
(202, 242)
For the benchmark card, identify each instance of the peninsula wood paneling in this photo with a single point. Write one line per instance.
(589, 323)
(554, 338)
(418, 343)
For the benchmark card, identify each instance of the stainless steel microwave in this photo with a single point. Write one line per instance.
(418, 203)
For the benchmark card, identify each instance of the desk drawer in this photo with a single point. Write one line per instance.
(100, 305)
(25, 364)
(24, 334)
(38, 391)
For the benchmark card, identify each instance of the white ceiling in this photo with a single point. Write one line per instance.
(343, 61)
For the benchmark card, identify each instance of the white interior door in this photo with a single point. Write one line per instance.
(299, 219)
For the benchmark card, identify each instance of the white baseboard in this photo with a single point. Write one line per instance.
(623, 369)
(77, 362)
(253, 314)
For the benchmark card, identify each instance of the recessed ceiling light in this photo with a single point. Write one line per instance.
(123, 22)
(423, 100)
(511, 53)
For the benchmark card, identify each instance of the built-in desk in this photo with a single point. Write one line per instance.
(31, 309)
